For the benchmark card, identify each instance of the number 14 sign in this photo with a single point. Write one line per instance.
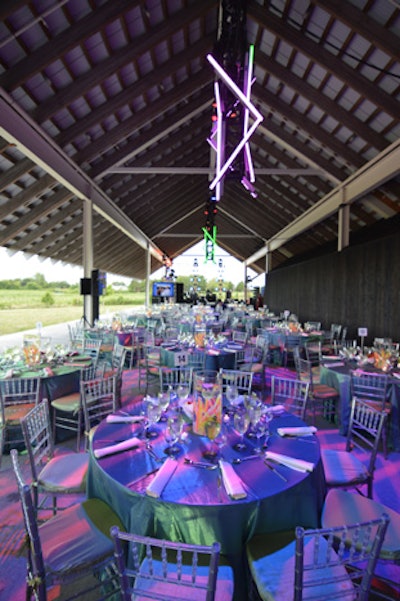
(181, 359)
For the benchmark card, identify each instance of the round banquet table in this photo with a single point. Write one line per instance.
(216, 358)
(336, 373)
(64, 379)
(193, 506)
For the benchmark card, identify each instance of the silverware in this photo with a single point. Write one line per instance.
(275, 470)
(206, 466)
(241, 459)
(153, 454)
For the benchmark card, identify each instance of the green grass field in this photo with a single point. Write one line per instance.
(22, 309)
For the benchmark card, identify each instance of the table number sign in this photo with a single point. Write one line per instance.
(362, 332)
(181, 359)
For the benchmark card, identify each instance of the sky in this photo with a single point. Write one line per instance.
(19, 266)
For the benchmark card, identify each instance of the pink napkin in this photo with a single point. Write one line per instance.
(117, 448)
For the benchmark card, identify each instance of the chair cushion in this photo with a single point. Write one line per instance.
(224, 590)
(66, 473)
(273, 573)
(78, 537)
(15, 413)
(69, 402)
(342, 467)
(322, 391)
(343, 507)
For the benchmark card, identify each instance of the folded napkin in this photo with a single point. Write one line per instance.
(296, 464)
(47, 371)
(130, 443)
(162, 478)
(299, 431)
(9, 373)
(276, 409)
(232, 482)
(124, 419)
(396, 374)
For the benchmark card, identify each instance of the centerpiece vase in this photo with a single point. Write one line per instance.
(207, 406)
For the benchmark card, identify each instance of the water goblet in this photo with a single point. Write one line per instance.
(164, 399)
(260, 430)
(153, 411)
(182, 391)
(173, 433)
(212, 429)
(241, 422)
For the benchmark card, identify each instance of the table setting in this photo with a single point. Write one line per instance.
(195, 495)
(336, 371)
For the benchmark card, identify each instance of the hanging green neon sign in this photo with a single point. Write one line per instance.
(210, 240)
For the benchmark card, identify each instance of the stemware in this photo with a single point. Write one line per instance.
(164, 399)
(173, 433)
(153, 411)
(213, 429)
(182, 391)
(241, 422)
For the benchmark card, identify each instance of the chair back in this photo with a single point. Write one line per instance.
(197, 360)
(370, 387)
(239, 336)
(326, 560)
(19, 392)
(314, 352)
(37, 432)
(17, 397)
(91, 348)
(243, 380)
(99, 399)
(170, 377)
(365, 430)
(35, 565)
(291, 393)
(162, 570)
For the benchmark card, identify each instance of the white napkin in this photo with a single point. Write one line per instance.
(296, 464)
(127, 419)
(232, 482)
(130, 443)
(396, 374)
(299, 431)
(162, 478)
(276, 409)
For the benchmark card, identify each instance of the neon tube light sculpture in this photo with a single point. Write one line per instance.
(223, 165)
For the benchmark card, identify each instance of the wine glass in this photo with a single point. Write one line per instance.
(153, 416)
(164, 399)
(241, 422)
(173, 433)
(260, 430)
(182, 391)
(212, 429)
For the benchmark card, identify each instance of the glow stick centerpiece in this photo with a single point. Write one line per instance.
(207, 400)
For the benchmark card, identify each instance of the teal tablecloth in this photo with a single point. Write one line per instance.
(193, 508)
(339, 377)
(215, 360)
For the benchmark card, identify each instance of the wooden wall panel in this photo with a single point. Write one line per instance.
(358, 287)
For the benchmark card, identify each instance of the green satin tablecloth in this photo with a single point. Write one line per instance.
(192, 507)
(339, 378)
